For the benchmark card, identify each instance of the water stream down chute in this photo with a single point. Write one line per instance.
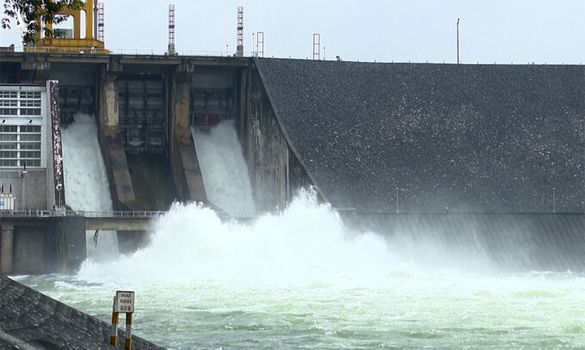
(86, 181)
(224, 169)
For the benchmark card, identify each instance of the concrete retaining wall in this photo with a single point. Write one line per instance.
(31, 320)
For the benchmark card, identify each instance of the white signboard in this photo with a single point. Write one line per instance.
(124, 301)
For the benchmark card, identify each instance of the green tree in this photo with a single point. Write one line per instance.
(28, 11)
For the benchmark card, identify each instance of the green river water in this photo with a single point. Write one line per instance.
(302, 280)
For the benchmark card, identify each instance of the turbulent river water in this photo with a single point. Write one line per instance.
(301, 279)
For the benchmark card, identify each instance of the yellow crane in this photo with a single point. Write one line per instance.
(78, 42)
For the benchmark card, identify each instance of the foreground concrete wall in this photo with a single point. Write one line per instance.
(31, 320)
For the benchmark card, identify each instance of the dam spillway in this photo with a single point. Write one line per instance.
(398, 205)
(224, 169)
(391, 140)
(86, 183)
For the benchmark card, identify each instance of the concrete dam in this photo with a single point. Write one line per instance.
(489, 157)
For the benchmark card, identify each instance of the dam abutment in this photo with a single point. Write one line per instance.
(275, 171)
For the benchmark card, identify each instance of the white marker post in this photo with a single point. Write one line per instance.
(123, 302)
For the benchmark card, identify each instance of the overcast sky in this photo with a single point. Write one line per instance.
(502, 31)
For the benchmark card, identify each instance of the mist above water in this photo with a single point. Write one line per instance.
(304, 278)
(307, 242)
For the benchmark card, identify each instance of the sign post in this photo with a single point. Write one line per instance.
(123, 303)
(115, 318)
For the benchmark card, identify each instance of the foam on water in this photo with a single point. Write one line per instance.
(304, 279)
(224, 169)
(305, 243)
(86, 182)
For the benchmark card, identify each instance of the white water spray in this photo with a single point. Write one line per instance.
(224, 169)
(86, 182)
(305, 279)
(306, 243)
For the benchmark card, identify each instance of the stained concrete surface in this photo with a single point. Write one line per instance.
(152, 181)
(121, 175)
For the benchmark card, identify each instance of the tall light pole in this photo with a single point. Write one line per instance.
(458, 61)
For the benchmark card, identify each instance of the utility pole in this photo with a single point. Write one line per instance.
(458, 61)
(260, 44)
(240, 33)
(397, 206)
(171, 47)
(316, 46)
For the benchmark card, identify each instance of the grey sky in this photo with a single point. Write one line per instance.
(502, 31)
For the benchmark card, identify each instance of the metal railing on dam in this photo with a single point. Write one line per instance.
(33, 213)
(138, 52)
(92, 220)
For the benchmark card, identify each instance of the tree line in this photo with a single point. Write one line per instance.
(24, 15)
